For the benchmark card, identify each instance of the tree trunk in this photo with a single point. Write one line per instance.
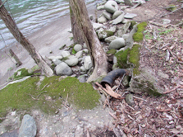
(11, 25)
(13, 55)
(89, 36)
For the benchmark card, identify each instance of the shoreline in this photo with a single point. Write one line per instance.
(49, 38)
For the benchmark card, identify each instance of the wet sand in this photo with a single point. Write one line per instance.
(49, 38)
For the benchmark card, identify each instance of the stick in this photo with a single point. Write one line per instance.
(168, 91)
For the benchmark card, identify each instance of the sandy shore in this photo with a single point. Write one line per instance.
(49, 38)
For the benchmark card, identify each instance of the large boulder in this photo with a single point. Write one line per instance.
(111, 6)
(28, 127)
(63, 69)
(71, 60)
(117, 43)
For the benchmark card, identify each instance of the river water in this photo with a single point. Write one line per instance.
(31, 15)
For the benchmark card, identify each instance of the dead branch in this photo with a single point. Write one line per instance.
(168, 91)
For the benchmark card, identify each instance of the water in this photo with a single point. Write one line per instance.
(31, 15)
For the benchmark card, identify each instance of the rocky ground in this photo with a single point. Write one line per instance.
(139, 114)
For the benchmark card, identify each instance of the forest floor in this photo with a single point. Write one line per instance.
(162, 54)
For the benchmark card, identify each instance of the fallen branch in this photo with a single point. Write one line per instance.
(113, 115)
(166, 92)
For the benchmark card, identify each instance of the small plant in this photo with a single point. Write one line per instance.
(73, 51)
(165, 32)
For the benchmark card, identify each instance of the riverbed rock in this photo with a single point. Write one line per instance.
(102, 19)
(123, 30)
(28, 127)
(71, 60)
(129, 99)
(79, 54)
(63, 69)
(116, 14)
(110, 39)
(101, 7)
(111, 6)
(118, 20)
(130, 15)
(107, 15)
(87, 62)
(65, 53)
(78, 47)
(117, 43)
(97, 25)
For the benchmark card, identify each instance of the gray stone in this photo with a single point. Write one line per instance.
(82, 78)
(112, 29)
(130, 15)
(101, 7)
(107, 15)
(85, 50)
(119, 1)
(79, 54)
(87, 62)
(97, 25)
(77, 47)
(128, 2)
(102, 34)
(65, 53)
(54, 57)
(71, 60)
(116, 14)
(129, 99)
(111, 6)
(110, 39)
(56, 61)
(28, 127)
(122, 30)
(82, 68)
(117, 43)
(118, 20)
(166, 21)
(102, 19)
(63, 69)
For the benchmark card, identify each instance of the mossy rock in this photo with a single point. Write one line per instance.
(138, 36)
(49, 96)
(133, 23)
(111, 51)
(122, 57)
(109, 33)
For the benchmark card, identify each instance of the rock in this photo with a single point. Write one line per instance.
(65, 53)
(111, 6)
(97, 25)
(129, 99)
(79, 54)
(85, 50)
(110, 39)
(112, 29)
(166, 21)
(117, 43)
(118, 20)
(77, 47)
(71, 60)
(28, 127)
(116, 14)
(56, 61)
(102, 34)
(55, 57)
(63, 69)
(107, 15)
(130, 15)
(102, 19)
(128, 2)
(122, 30)
(85, 46)
(82, 68)
(82, 78)
(87, 62)
(119, 1)
(101, 7)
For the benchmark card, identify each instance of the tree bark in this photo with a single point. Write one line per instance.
(18, 62)
(11, 25)
(89, 36)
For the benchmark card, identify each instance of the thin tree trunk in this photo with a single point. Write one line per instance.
(18, 62)
(89, 36)
(11, 25)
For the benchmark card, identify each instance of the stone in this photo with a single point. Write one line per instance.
(107, 15)
(111, 6)
(82, 78)
(166, 21)
(112, 29)
(71, 60)
(101, 7)
(118, 20)
(77, 47)
(129, 99)
(56, 61)
(128, 2)
(119, 1)
(110, 39)
(85, 46)
(79, 54)
(116, 14)
(28, 127)
(102, 34)
(97, 25)
(122, 30)
(85, 50)
(55, 57)
(65, 53)
(82, 68)
(102, 19)
(117, 43)
(130, 15)
(63, 69)
(87, 62)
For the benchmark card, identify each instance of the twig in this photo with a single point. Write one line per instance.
(140, 98)
(44, 86)
(120, 82)
(166, 92)
(32, 97)
(41, 93)
(112, 115)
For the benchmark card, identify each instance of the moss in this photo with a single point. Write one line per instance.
(134, 57)
(23, 72)
(111, 51)
(26, 95)
(73, 51)
(109, 33)
(171, 8)
(122, 57)
(138, 36)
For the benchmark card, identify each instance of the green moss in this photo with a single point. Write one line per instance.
(23, 72)
(111, 51)
(134, 57)
(138, 36)
(49, 97)
(122, 57)
(73, 51)
(171, 8)
(109, 33)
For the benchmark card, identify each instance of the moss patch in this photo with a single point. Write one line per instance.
(171, 8)
(49, 97)
(122, 57)
(111, 51)
(138, 36)
(20, 74)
